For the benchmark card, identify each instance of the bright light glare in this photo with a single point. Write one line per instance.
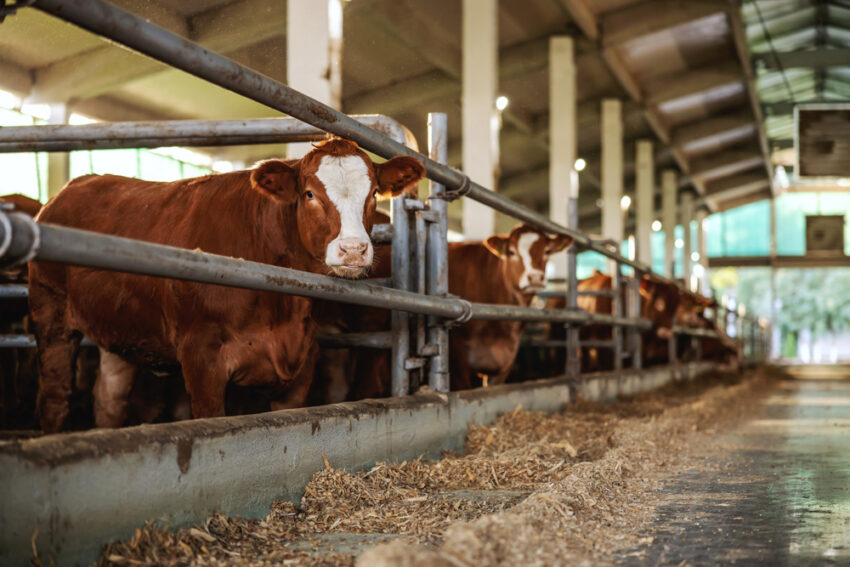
(185, 155)
(41, 111)
(680, 243)
(699, 271)
(580, 164)
(625, 201)
(656, 225)
(502, 102)
(8, 100)
(222, 166)
(695, 256)
(80, 119)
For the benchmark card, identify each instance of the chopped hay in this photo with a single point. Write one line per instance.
(565, 488)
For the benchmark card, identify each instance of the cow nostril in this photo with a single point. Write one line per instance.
(354, 247)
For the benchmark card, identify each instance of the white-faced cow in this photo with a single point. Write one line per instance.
(313, 214)
(505, 269)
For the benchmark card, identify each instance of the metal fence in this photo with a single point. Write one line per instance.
(418, 294)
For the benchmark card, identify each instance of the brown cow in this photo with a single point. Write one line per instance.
(313, 214)
(354, 373)
(507, 270)
(658, 302)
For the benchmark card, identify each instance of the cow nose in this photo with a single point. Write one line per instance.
(353, 246)
(535, 279)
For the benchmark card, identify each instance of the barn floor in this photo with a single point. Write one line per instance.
(729, 470)
(776, 491)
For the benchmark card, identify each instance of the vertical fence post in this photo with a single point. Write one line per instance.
(634, 311)
(617, 310)
(438, 261)
(401, 280)
(573, 358)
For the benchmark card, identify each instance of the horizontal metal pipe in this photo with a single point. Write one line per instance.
(151, 134)
(382, 339)
(14, 291)
(28, 341)
(82, 248)
(382, 234)
(696, 331)
(17, 341)
(596, 292)
(132, 31)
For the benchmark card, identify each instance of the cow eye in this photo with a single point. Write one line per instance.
(375, 193)
(511, 252)
(309, 194)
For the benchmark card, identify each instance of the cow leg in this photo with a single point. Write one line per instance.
(205, 377)
(295, 396)
(115, 377)
(58, 346)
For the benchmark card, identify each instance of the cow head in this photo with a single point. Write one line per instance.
(659, 301)
(691, 308)
(335, 188)
(524, 253)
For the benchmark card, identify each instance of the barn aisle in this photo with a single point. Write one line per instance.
(773, 491)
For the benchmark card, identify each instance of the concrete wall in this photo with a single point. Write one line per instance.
(80, 490)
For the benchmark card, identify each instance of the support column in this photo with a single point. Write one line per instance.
(687, 209)
(702, 249)
(480, 117)
(58, 163)
(562, 135)
(315, 70)
(645, 197)
(612, 169)
(668, 219)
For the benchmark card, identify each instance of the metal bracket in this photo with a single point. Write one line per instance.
(413, 363)
(465, 187)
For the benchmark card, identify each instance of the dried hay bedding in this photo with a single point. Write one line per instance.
(589, 473)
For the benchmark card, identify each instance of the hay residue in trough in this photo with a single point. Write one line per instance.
(530, 489)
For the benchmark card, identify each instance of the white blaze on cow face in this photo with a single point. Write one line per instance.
(532, 278)
(347, 184)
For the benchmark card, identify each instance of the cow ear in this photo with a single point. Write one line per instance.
(277, 180)
(498, 245)
(560, 242)
(395, 175)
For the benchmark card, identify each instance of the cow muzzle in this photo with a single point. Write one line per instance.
(534, 282)
(350, 257)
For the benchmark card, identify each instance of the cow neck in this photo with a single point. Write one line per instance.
(505, 292)
(272, 235)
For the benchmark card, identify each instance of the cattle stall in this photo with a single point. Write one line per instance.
(182, 472)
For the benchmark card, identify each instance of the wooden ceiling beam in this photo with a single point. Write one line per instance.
(645, 18)
(713, 127)
(107, 68)
(693, 82)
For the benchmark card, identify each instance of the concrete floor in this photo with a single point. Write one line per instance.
(774, 491)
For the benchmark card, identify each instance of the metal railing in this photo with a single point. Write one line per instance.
(419, 285)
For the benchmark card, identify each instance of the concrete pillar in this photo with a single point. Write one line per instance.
(314, 54)
(480, 117)
(58, 163)
(668, 219)
(562, 136)
(687, 210)
(702, 249)
(612, 172)
(645, 200)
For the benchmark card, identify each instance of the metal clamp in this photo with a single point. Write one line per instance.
(465, 187)
(6, 222)
(465, 316)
